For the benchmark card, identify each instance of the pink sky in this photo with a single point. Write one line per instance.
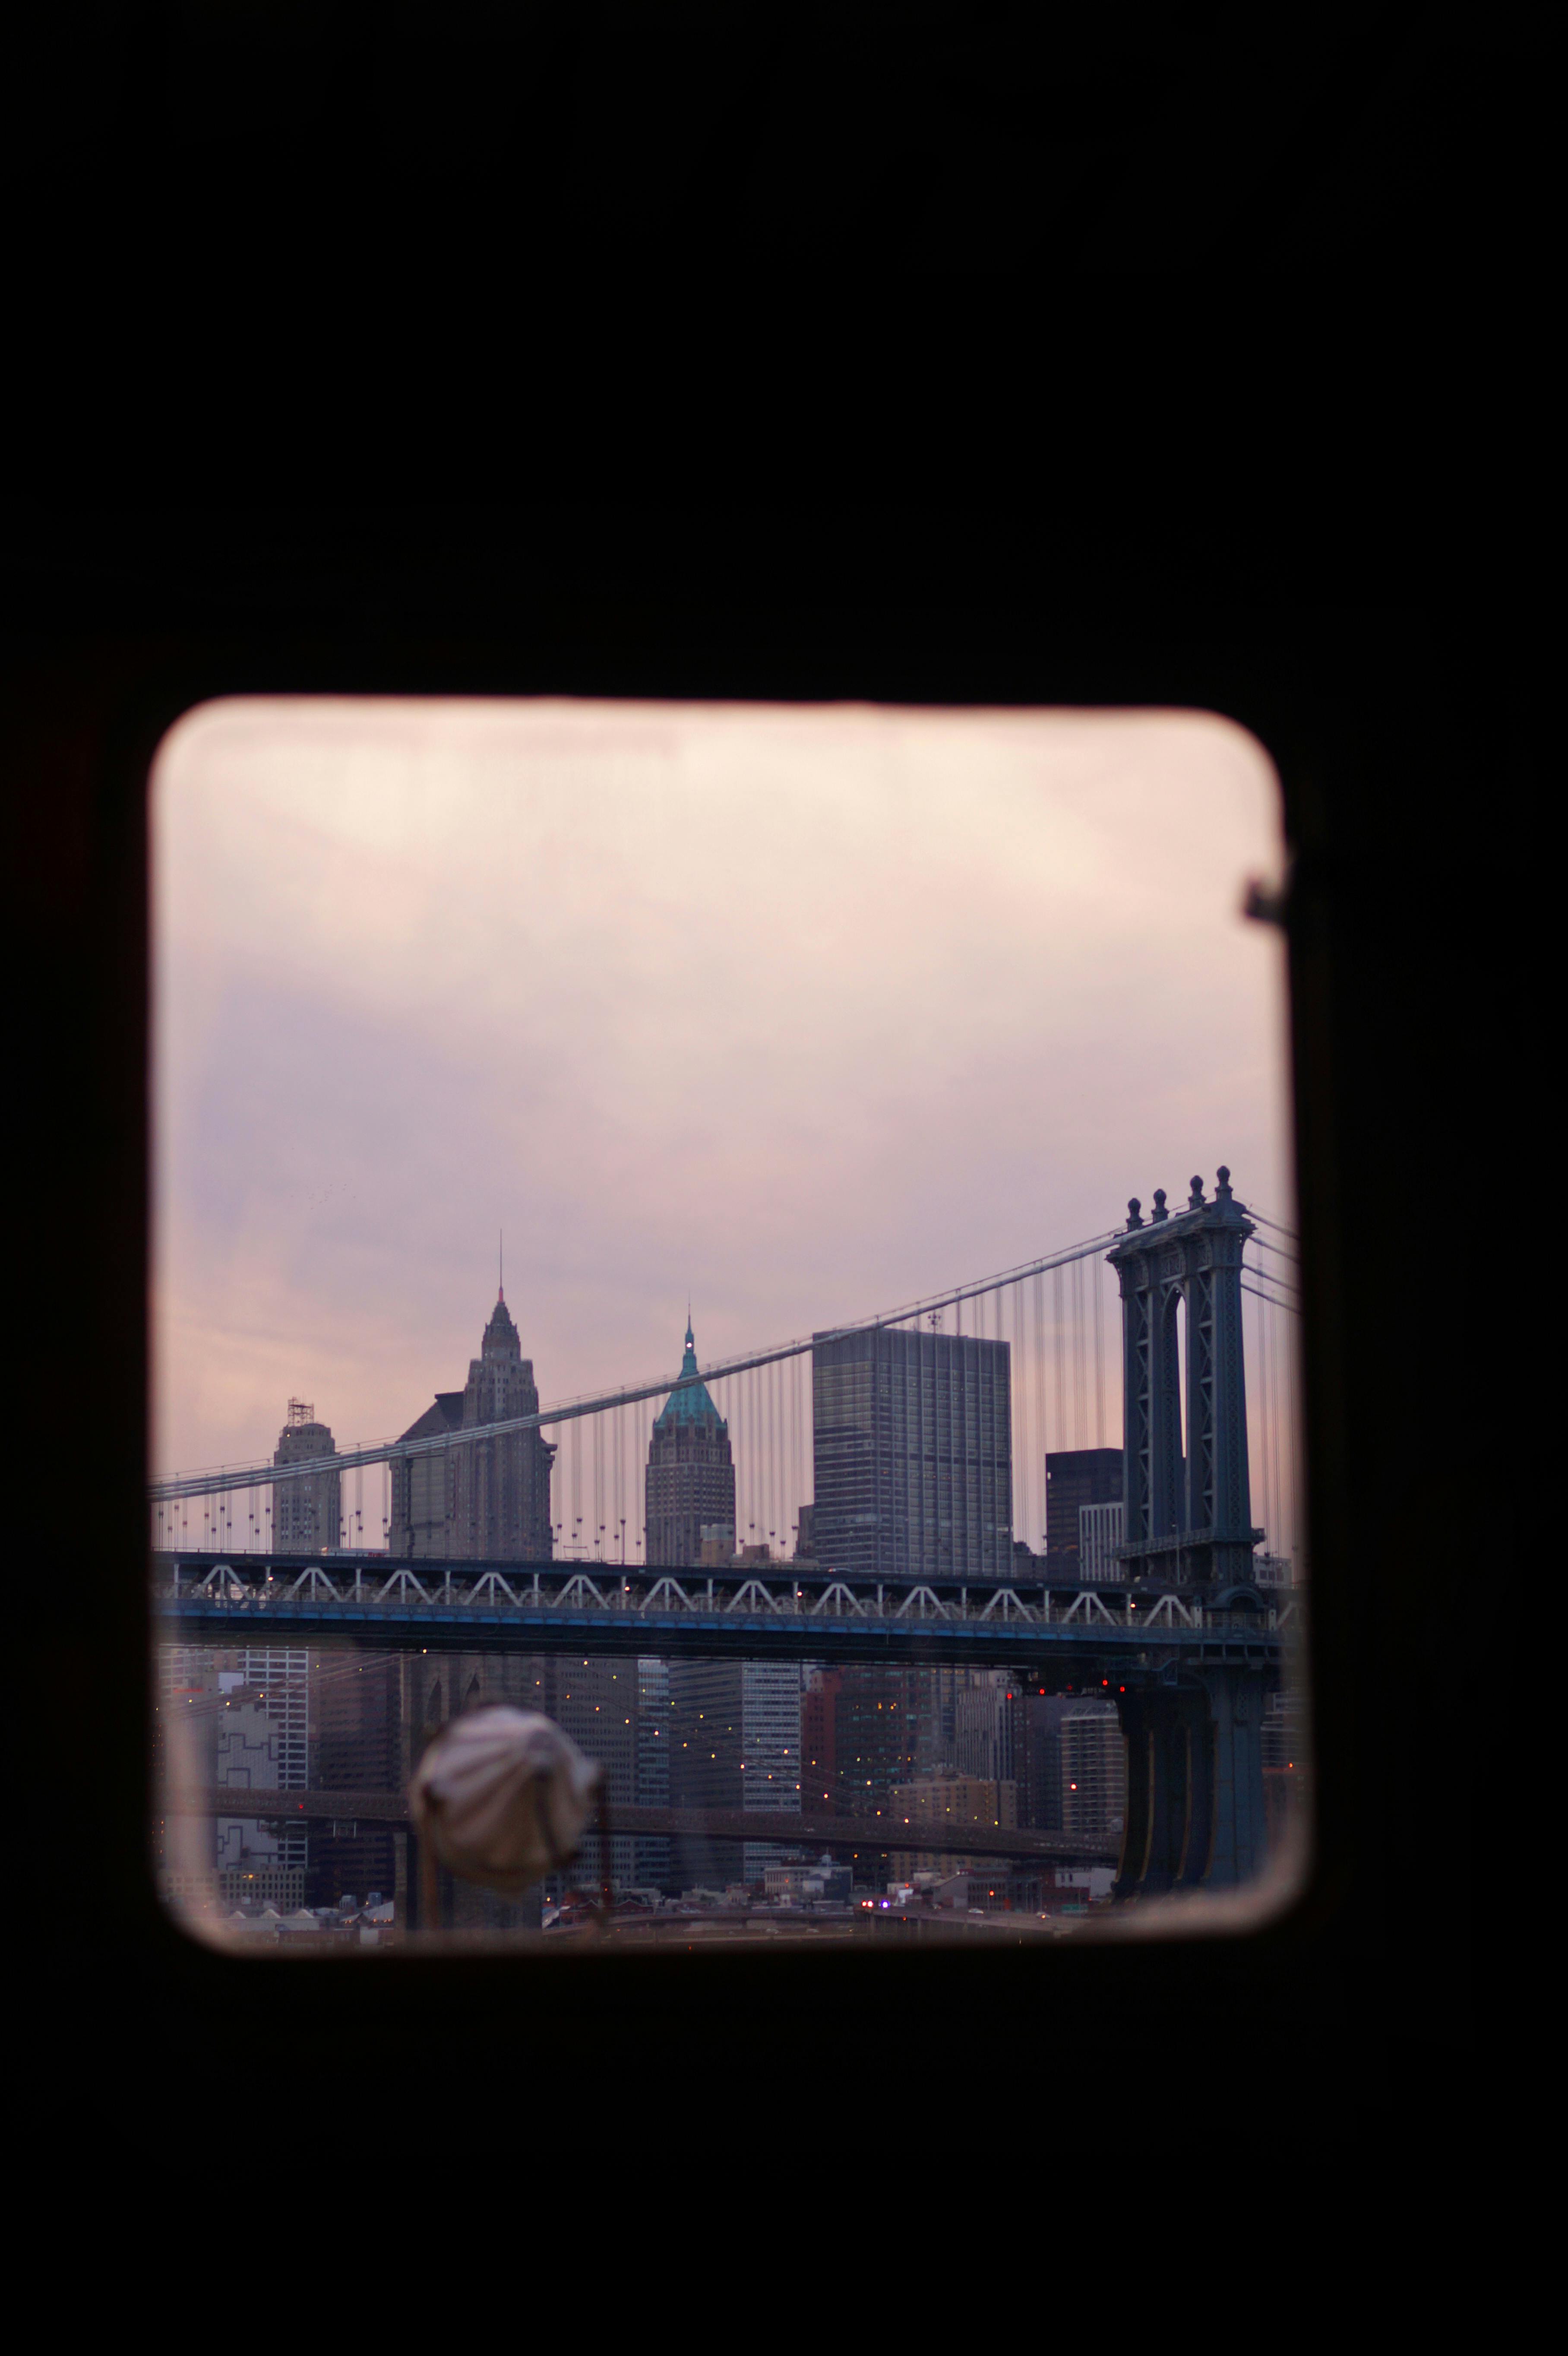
(808, 1011)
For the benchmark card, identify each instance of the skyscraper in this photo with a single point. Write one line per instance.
(488, 1500)
(912, 1444)
(1094, 1770)
(689, 1486)
(735, 1742)
(1075, 1477)
(355, 1700)
(595, 1702)
(1101, 1529)
(986, 1726)
(874, 1738)
(655, 1858)
(861, 1732)
(305, 1509)
(818, 1736)
(261, 1746)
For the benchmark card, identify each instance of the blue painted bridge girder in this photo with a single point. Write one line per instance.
(1064, 1639)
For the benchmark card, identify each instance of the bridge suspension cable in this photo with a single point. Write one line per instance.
(222, 1479)
(1292, 1308)
(1063, 1310)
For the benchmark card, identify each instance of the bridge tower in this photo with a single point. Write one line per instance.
(1188, 1512)
(1195, 1807)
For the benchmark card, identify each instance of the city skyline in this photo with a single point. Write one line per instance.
(793, 1421)
(911, 1434)
(839, 1006)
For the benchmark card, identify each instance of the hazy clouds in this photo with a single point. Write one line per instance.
(811, 1012)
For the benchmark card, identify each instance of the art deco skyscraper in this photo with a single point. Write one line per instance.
(690, 1479)
(486, 1500)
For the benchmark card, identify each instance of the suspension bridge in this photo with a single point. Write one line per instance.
(1050, 1313)
(1183, 1625)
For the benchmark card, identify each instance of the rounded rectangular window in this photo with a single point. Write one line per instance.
(725, 1326)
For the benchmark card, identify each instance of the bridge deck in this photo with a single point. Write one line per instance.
(750, 1611)
(464, 1628)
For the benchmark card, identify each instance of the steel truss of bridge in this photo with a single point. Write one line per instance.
(745, 1611)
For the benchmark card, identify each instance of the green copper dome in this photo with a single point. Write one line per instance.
(689, 1403)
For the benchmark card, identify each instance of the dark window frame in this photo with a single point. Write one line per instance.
(1359, 715)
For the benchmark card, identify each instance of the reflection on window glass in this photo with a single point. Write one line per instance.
(698, 1394)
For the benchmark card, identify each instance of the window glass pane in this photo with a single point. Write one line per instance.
(698, 1394)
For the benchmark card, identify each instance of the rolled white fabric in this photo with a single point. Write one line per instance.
(503, 1795)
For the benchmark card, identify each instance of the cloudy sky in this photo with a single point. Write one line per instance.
(806, 1012)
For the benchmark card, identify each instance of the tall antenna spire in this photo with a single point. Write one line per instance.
(501, 1265)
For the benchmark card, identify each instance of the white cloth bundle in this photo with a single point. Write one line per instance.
(503, 1795)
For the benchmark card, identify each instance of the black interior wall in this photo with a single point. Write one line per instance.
(1406, 765)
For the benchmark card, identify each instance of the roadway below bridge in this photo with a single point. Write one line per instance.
(931, 1836)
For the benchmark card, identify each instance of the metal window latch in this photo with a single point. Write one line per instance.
(1266, 903)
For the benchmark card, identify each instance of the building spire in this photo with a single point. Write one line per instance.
(689, 1402)
(501, 1265)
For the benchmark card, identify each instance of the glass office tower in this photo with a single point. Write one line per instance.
(911, 1442)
